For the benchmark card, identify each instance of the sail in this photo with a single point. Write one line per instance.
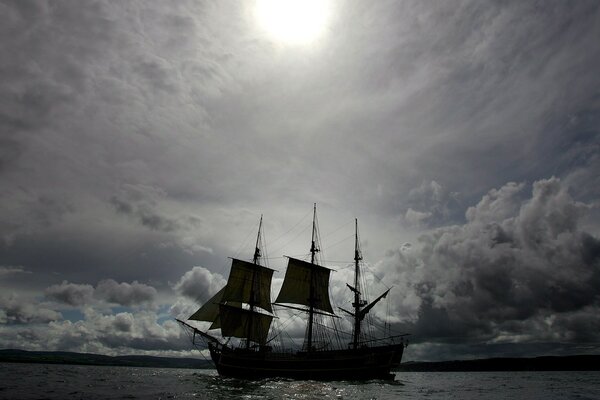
(209, 310)
(236, 322)
(247, 280)
(297, 284)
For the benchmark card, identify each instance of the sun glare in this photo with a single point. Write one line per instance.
(293, 21)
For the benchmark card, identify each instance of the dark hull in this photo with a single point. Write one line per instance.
(361, 364)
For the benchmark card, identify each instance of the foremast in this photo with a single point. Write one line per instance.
(249, 283)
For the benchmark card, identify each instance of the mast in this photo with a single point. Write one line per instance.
(359, 312)
(311, 297)
(357, 302)
(255, 259)
(257, 247)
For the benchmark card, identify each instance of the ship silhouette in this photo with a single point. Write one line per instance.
(243, 310)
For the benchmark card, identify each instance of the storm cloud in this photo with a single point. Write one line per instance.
(521, 269)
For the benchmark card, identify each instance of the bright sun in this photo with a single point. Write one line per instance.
(293, 21)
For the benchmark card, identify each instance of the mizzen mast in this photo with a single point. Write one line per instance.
(358, 303)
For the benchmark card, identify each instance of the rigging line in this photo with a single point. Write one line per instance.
(291, 240)
(243, 245)
(341, 241)
(292, 228)
(376, 276)
(339, 262)
(338, 228)
(331, 328)
(263, 245)
(295, 255)
(285, 324)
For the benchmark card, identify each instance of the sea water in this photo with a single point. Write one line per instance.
(38, 381)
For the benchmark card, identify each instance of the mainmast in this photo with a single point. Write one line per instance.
(307, 284)
(311, 299)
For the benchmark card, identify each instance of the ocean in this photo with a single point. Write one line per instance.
(46, 381)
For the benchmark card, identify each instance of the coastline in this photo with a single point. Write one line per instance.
(545, 363)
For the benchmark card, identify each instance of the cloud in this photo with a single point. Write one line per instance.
(8, 270)
(416, 218)
(122, 333)
(149, 206)
(142, 136)
(15, 309)
(517, 270)
(72, 294)
(194, 288)
(140, 202)
(431, 204)
(108, 290)
(125, 294)
(199, 283)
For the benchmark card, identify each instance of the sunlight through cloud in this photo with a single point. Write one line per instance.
(293, 21)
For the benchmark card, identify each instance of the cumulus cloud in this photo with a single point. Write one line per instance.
(199, 283)
(14, 309)
(517, 270)
(125, 294)
(431, 204)
(194, 288)
(122, 333)
(108, 290)
(72, 294)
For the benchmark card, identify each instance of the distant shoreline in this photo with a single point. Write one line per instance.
(549, 363)
(546, 363)
(62, 357)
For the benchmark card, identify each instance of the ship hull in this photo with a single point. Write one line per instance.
(361, 364)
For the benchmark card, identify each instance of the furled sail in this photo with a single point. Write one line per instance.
(296, 288)
(242, 323)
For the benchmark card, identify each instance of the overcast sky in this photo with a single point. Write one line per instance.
(140, 141)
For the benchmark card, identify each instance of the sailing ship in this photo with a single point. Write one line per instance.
(243, 310)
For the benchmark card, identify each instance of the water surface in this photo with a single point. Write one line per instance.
(35, 381)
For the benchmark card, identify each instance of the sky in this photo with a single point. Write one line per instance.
(141, 141)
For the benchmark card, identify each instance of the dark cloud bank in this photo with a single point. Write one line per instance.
(518, 271)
